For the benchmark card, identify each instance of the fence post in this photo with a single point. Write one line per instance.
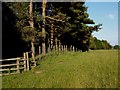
(18, 67)
(70, 47)
(24, 56)
(59, 48)
(73, 48)
(66, 48)
(27, 61)
(62, 47)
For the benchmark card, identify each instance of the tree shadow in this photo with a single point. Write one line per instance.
(12, 43)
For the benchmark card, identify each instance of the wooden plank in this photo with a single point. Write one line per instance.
(11, 59)
(24, 61)
(18, 71)
(73, 48)
(8, 65)
(8, 74)
(1, 70)
(4, 74)
(21, 64)
(27, 61)
(11, 65)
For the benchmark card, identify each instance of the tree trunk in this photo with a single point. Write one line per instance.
(51, 39)
(32, 26)
(43, 27)
(56, 47)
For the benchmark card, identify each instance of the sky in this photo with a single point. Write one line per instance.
(105, 13)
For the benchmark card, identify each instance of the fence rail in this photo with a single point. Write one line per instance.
(14, 65)
(19, 64)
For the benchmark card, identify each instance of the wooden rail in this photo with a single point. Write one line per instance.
(14, 65)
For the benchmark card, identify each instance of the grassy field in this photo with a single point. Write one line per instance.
(93, 69)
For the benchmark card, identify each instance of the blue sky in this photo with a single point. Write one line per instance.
(107, 14)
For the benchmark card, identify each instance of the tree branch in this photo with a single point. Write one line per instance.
(58, 20)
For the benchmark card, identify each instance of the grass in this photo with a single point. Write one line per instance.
(94, 69)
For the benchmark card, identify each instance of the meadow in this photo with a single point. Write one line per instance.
(93, 69)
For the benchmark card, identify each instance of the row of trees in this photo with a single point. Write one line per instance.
(99, 44)
(116, 47)
(46, 24)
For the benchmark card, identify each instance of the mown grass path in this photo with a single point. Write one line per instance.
(93, 69)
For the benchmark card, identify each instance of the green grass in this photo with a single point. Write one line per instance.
(94, 69)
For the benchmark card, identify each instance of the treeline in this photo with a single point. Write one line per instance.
(99, 44)
(116, 47)
(27, 25)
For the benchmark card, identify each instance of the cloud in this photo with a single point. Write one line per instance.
(111, 16)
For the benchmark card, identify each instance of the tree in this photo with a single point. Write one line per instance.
(43, 27)
(27, 22)
(116, 47)
(99, 44)
(31, 22)
(56, 23)
(78, 34)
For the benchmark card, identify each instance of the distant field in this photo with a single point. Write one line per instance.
(93, 69)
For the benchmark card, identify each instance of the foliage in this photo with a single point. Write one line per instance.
(76, 32)
(99, 44)
(73, 30)
(21, 10)
(116, 47)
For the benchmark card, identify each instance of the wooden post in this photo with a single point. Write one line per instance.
(62, 48)
(39, 52)
(76, 49)
(28, 67)
(18, 67)
(66, 48)
(73, 48)
(70, 48)
(9, 71)
(24, 56)
(59, 46)
(56, 44)
(49, 47)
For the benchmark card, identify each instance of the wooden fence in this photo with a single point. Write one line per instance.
(14, 65)
(19, 64)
